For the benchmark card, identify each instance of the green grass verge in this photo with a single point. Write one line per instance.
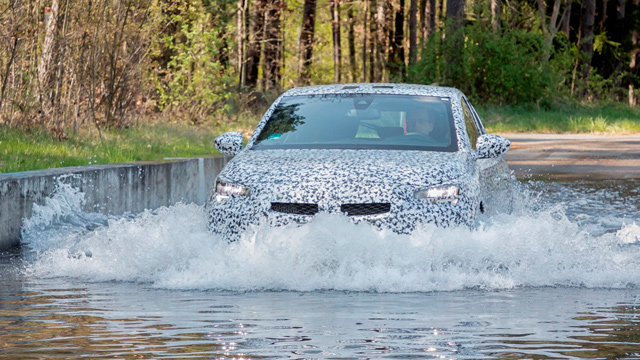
(592, 118)
(22, 151)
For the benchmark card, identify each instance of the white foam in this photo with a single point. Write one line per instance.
(171, 248)
(629, 234)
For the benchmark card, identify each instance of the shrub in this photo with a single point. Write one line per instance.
(498, 68)
(197, 80)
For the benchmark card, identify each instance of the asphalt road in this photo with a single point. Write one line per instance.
(574, 156)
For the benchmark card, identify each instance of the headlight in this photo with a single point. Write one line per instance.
(440, 193)
(224, 190)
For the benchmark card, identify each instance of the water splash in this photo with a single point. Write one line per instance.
(60, 219)
(539, 245)
(629, 234)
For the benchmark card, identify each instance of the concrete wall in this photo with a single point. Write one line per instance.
(109, 189)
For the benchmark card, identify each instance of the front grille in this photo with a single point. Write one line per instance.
(365, 209)
(295, 208)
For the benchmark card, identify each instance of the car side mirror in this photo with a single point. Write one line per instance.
(491, 146)
(229, 143)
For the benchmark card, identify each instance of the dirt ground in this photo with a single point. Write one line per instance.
(574, 156)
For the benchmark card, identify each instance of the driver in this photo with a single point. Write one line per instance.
(419, 123)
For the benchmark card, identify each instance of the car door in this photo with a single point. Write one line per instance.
(494, 174)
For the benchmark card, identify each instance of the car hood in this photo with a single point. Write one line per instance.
(363, 167)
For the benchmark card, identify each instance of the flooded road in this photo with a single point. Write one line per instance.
(558, 278)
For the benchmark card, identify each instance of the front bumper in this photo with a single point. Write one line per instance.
(230, 218)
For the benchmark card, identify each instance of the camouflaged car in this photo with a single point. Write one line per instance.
(396, 156)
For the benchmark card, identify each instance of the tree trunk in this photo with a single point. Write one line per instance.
(621, 9)
(47, 62)
(496, 13)
(337, 48)
(5, 77)
(455, 13)
(551, 26)
(633, 66)
(385, 38)
(454, 40)
(351, 39)
(365, 27)
(603, 13)
(427, 10)
(272, 45)
(586, 41)
(255, 44)
(241, 40)
(566, 23)
(112, 95)
(374, 50)
(430, 18)
(620, 60)
(413, 28)
(396, 61)
(306, 41)
(422, 19)
(60, 70)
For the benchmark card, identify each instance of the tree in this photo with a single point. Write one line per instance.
(587, 20)
(307, 31)
(374, 48)
(13, 42)
(427, 18)
(351, 41)
(454, 40)
(95, 61)
(551, 25)
(242, 25)
(273, 55)
(255, 42)
(455, 15)
(566, 23)
(335, 30)
(397, 68)
(634, 63)
(496, 13)
(364, 40)
(46, 67)
(603, 14)
(413, 29)
(385, 38)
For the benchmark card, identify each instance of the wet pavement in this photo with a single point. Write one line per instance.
(574, 156)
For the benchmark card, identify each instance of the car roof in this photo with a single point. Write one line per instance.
(375, 88)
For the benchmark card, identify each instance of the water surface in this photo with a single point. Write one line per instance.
(557, 279)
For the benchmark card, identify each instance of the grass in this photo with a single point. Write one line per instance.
(22, 151)
(592, 118)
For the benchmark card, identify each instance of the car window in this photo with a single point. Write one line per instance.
(479, 124)
(360, 121)
(470, 124)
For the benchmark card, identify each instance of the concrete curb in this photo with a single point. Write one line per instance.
(109, 189)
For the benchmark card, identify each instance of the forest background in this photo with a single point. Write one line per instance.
(124, 80)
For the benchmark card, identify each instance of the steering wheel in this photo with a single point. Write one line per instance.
(415, 136)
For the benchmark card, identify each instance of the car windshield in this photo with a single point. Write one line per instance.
(360, 121)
